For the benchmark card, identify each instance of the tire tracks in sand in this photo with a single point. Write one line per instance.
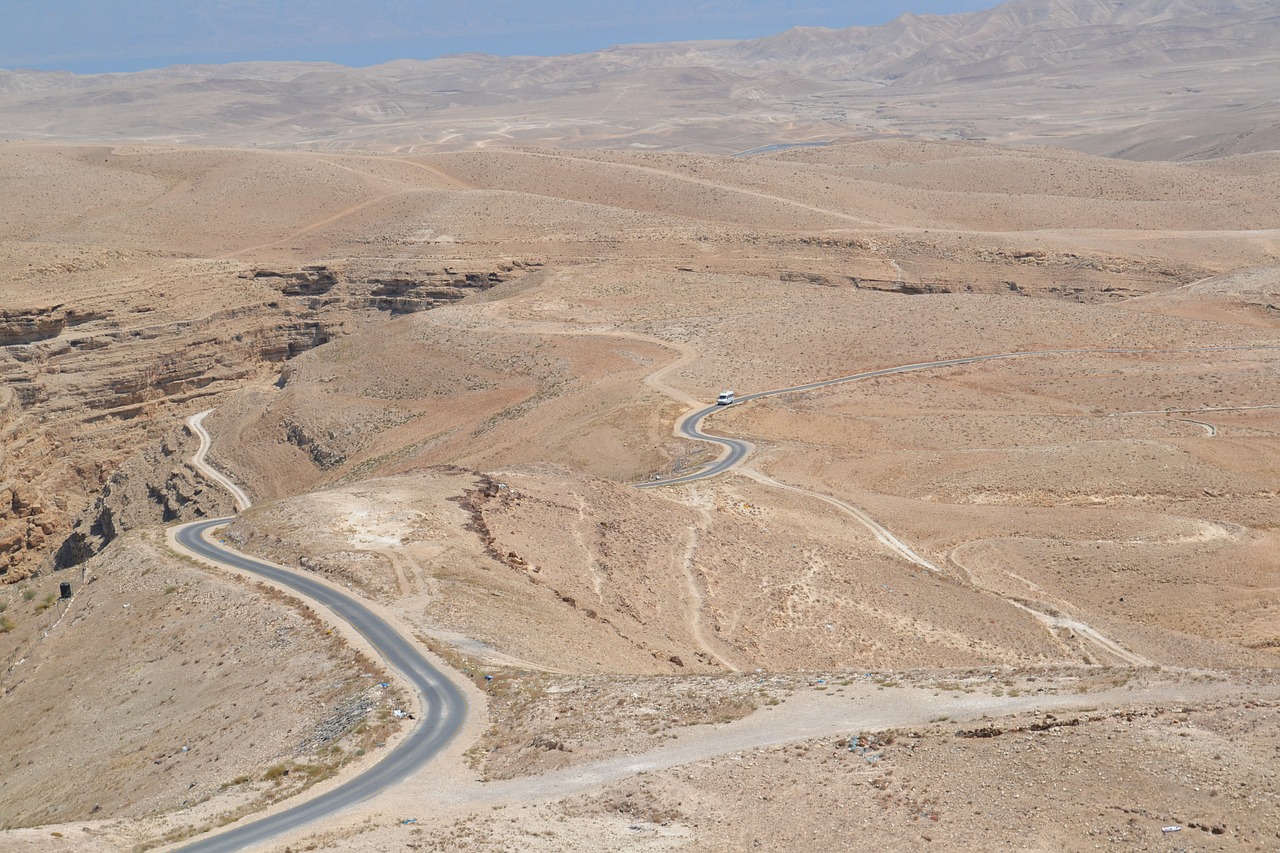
(685, 560)
(1053, 620)
(1052, 611)
(695, 582)
(496, 311)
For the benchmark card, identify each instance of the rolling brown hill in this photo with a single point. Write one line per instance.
(1156, 79)
(1028, 601)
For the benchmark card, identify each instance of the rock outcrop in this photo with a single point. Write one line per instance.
(324, 456)
(111, 392)
(26, 523)
(308, 281)
(28, 517)
(24, 326)
(154, 487)
(319, 287)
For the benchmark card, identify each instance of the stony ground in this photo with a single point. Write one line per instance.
(180, 694)
(1088, 535)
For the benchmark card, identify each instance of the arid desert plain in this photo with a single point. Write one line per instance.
(1029, 602)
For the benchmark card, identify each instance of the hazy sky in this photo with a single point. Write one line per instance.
(126, 35)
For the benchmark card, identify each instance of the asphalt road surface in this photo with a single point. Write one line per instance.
(195, 423)
(444, 706)
(691, 426)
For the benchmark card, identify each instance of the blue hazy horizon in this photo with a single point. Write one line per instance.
(106, 36)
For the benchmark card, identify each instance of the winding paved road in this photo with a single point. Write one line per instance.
(195, 423)
(444, 704)
(691, 425)
(444, 707)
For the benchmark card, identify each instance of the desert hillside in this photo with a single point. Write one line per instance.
(1148, 80)
(995, 568)
(126, 307)
(440, 377)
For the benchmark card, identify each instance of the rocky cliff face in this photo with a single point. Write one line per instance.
(320, 287)
(26, 523)
(28, 517)
(154, 486)
(78, 404)
(24, 326)
(82, 391)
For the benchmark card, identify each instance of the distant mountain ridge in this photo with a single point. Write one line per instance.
(1136, 78)
(1025, 35)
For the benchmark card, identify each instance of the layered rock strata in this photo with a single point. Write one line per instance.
(81, 392)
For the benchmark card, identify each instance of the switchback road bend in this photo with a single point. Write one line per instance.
(737, 450)
(444, 707)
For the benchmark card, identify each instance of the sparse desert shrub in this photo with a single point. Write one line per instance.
(729, 711)
(275, 773)
(6, 625)
(28, 594)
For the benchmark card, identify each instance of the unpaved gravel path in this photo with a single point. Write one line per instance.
(860, 708)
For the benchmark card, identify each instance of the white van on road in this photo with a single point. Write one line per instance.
(725, 398)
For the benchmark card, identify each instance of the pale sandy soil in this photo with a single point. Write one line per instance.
(931, 763)
(1082, 521)
(160, 689)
